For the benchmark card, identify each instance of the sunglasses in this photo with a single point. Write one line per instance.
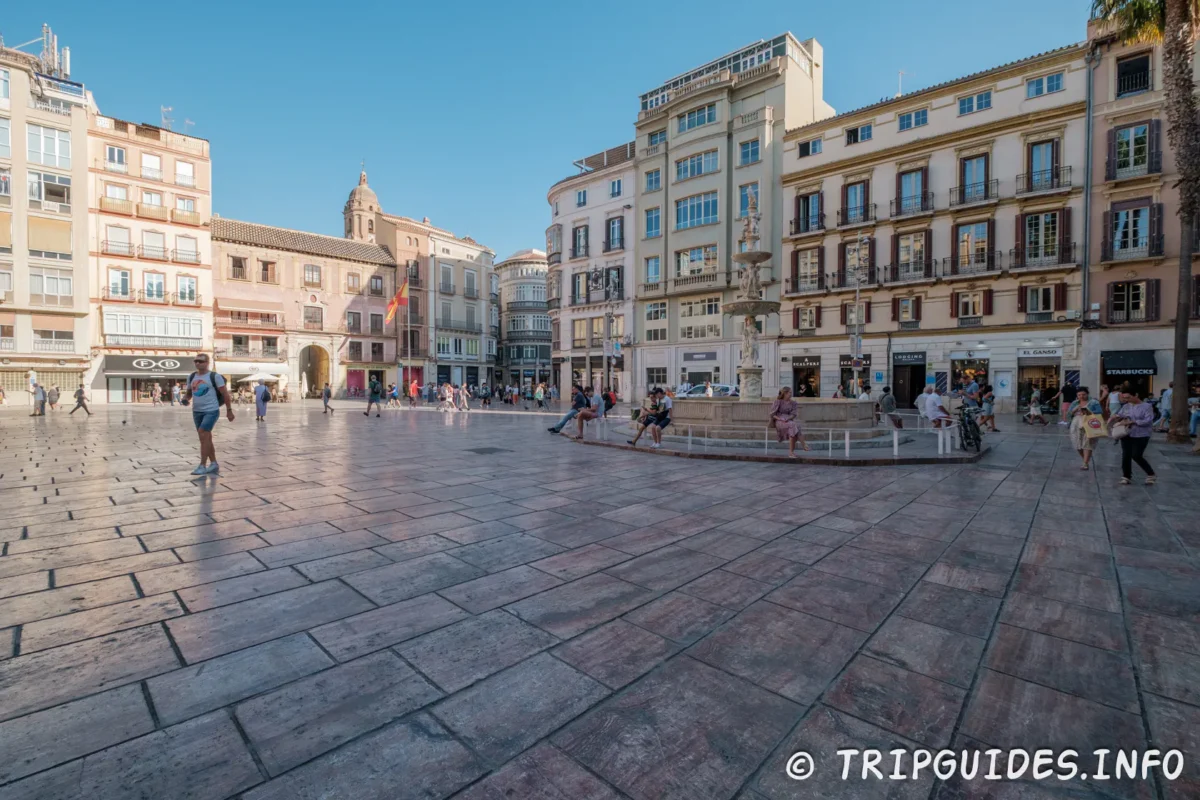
(199, 360)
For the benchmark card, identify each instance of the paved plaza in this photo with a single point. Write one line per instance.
(432, 606)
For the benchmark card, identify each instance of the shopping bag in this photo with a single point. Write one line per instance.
(1119, 428)
(1094, 427)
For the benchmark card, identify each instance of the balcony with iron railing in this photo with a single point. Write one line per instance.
(523, 336)
(1046, 180)
(1134, 81)
(1133, 165)
(185, 256)
(617, 243)
(976, 262)
(157, 296)
(553, 303)
(806, 284)
(115, 205)
(813, 223)
(251, 353)
(152, 174)
(1131, 248)
(596, 296)
(415, 281)
(112, 247)
(1039, 316)
(856, 215)
(527, 305)
(152, 252)
(185, 299)
(554, 258)
(184, 217)
(579, 252)
(907, 271)
(970, 322)
(912, 205)
(62, 109)
(910, 324)
(579, 342)
(118, 167)
(185, 180)
(118, 294)
(471, 292)
(494, 330)
(1049, 254)
(975, 193)
(415, 351)
(850, 278)
(8, 344)
(469, 326)
(1120, 316)
(235, 319)
(54, 345)
(446, 288)
(151, 211)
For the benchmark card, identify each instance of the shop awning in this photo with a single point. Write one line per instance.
(255, 306)
(1129, 362)
(150, 367)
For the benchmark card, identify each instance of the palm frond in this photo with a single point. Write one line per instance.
(1135, 21)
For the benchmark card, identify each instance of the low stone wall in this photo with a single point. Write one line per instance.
(746, 419)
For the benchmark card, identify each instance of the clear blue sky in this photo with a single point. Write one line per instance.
(466, 112)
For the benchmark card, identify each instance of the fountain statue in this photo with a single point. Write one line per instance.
(750, 303)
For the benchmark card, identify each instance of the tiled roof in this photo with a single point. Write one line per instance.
(608, 158)
(939, 86)
(532, 254)
(313, 244)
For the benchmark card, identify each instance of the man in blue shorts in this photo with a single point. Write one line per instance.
(206, 393)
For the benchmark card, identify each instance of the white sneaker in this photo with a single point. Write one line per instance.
(200, 470)
(213, 469)
(1061, 422)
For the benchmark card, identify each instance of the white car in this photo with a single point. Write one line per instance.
(718, 390)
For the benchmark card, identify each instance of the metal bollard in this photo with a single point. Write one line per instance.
(895, 443)
(830, 453)
(847, 444)
(689, 438)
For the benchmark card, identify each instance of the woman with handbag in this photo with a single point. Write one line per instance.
(1131, 425)
(1087, 425)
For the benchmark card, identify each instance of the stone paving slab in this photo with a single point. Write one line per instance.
(383, 614)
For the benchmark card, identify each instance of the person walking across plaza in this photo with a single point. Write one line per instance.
(39, 400)
(1138, 416)
(174, 393)
(464, 398)
(156, 395)
(784, 418)
(1035, 409)
(987, 416)
(374, 397)
(206, 392)
(326, 396)
(1080, 411)
(578, 402)
(1162, 424)
(81, 401)
(262, 396)
(1065, 396)
(413, 391)
(539, 394)
(52, 398)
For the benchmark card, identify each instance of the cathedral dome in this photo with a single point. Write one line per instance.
(363, 195)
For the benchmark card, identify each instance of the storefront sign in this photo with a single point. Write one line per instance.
(846, 361)
(969, 355)
(146, 367)
(902, 359)
(1129, 362)
(1040, 352)
(810, 362)
(709, 356)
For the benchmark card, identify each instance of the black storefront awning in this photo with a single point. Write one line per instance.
(148, 366)
(1129, 362)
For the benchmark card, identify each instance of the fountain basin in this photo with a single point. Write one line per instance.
(750, 308)
(734, 419)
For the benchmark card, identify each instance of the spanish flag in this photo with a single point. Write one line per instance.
(401, 299)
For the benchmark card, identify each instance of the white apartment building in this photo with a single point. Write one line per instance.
(44, 280)
(524, 355)
(706, 140)
(464, 320)
(590, 254)
(149, 192)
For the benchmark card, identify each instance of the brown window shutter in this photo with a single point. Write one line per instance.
(895, 308)
(820, 203)
(1155, 145)
(925, 180)
(1112, 287)
(899, 197)
(867, 309)
(821, 267)
(1060, 297)
(1020, 240)
(866, 197)
(871, 260)
(1021, 306)
(1152, 296)
(1106, 242)
(1028, 166)
(841, 273)
(797, 216)
(991, 252)
(818, 317)
(1055, 156)
(917, 309)
(796, 317)
(953, 304)
(844, 188)
(895, 254)
(1156, 220)
(929, 252)
(953, 250)
(795, 266)
(844, 306)
(1110, 163)
(987, 302)
(1065, 254)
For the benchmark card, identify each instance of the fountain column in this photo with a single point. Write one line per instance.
(750, 305)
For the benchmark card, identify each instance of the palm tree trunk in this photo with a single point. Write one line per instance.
(1183, 133)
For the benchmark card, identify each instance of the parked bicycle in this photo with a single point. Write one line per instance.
(969, 434)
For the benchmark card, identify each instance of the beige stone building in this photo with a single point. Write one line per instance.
(956, 212)
(44, 264)
(451, 328)
(150, 202)
(706, 141)
(302, 305)
(1133, 283)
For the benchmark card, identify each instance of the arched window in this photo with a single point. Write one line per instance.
(370, 226)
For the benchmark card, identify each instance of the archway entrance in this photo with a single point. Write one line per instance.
(314, 366)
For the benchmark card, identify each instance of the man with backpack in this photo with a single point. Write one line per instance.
(375, 397)
(326, 395)
(206, 392)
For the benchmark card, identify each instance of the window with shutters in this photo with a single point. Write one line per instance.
(910, 193)
(973, 186)
(855, 209)
(808, 271)
(857, 314)
(1131, 232)
(973, 247)
(1133, 150)
(1043, 168)
(579, 242)
(806, 318)
(910, 256)
(1039, 299)
(1041, 239)
(808, 213)
(1132, 301)
(356, 351)
(858, 257)
(906, 309)
(970, 304)
(614, 234)
(1134, 75)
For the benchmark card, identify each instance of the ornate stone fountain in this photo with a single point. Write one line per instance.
(750, 304)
